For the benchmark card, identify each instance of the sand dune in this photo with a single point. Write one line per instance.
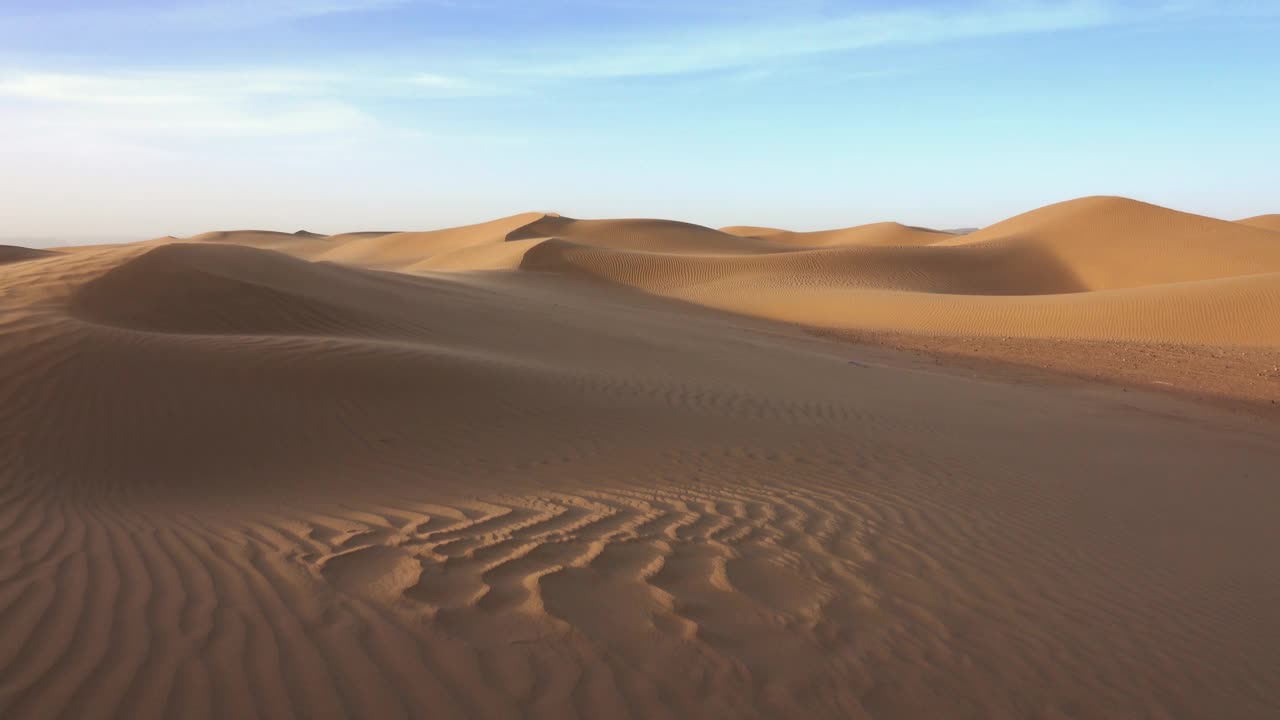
(1118, 243)
(396, 250)
(1096, 269)
(886, 233)
(500, 244)
(928, 297)
(17, 253)
(301, 243)
(657, 236)
(528, 468)
(1266, 222)
(253, 238)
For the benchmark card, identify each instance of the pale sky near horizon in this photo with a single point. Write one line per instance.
(137, 118)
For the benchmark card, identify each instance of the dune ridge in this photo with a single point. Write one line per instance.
(530, 468)
(1096, 268)
(1266, 222)
(1092, 269)
(885, 233)
(17, 253)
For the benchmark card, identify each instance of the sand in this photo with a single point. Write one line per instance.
(546, 467)
(17, 253)
(1267, 222)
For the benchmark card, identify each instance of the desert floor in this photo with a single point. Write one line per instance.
(545, 467)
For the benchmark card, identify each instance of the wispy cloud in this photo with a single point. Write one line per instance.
(263, 101)
(191, 86)
(778, 39)
(204, 14)
(217, 103)
(790, 35)
(591, 39)
(160, 87)
(34, 126)
(187, 104)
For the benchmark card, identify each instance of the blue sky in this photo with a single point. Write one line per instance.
(142, 117)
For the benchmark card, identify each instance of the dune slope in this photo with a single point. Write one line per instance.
(1266, 222)
(1091, 269)
(17, 253)
(885, 233)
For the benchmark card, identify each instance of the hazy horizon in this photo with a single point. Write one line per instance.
(138, 119)
(52, 241)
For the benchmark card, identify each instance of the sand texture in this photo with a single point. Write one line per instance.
(553, 468)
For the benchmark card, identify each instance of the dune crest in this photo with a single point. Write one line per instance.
(1099, 268)
(401, 249)
(885, 233)
(1266, 222)
(17, 253)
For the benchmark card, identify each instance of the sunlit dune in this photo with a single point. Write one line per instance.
(885, 233)
(1266, 222)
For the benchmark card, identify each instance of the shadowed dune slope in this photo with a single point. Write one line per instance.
(401, 249)
(1098, 268)
(301, 243)
(500, 244)
(233, 290)
(979, 271)
(656, 236)
(362, 235)
(17, 253)
(1112, 242)
(251, 237)
(187, 333)
(1233, 310)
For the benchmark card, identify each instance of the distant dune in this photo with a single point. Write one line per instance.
(550, 467)
(886, 233)
(1266, 222)
(1096, 268)
(16, 253)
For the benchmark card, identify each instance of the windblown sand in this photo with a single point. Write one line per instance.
(545, 467)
